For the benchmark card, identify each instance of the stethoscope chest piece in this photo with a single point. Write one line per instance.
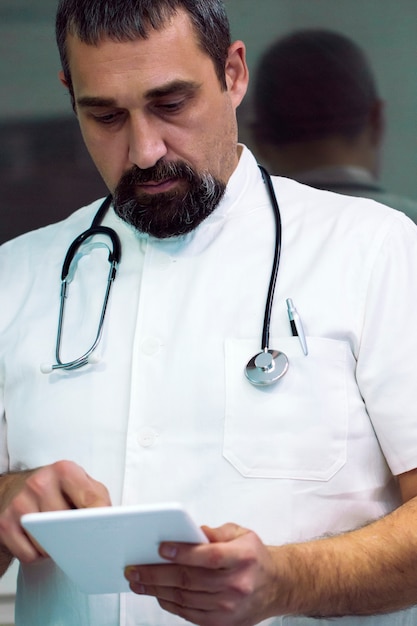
(266, 367)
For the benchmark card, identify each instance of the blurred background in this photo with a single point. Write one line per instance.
(45, 172)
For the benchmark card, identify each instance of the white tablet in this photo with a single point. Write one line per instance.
(93, 546)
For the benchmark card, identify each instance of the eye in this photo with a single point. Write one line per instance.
(108, 118)
(171, 107)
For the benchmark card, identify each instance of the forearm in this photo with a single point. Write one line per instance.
(368, 571)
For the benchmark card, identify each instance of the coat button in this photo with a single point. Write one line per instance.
(151, 346)
(147, 437)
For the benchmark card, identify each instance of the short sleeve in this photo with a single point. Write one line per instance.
(387, 359)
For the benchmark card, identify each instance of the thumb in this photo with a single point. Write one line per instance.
(227, 532)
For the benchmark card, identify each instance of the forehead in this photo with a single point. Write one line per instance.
(167, 54)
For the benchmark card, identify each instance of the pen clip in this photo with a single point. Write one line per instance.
(296, 325)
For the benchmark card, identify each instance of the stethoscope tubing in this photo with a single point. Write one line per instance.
(263, 369)
(114, 255)
(114, 260)
(275, 264)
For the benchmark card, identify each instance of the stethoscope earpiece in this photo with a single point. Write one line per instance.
(266, 367)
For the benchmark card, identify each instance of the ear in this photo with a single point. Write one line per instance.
(237, 73)
(377, 122)
(62, 78)
(64, 81)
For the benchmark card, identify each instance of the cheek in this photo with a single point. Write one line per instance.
(221, 146)
(107, 156)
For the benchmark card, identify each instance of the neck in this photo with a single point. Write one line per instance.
(292, 158)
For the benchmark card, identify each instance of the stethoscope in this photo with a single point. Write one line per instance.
(263, 369)
(66, 278)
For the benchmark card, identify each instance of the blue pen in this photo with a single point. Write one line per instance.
(296, 325)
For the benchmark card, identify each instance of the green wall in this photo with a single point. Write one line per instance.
(386, 29)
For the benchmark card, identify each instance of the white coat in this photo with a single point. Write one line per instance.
(167, 413)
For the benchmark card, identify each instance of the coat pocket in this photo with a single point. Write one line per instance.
(297, 428)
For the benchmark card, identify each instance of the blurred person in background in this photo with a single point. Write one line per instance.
(319, 118)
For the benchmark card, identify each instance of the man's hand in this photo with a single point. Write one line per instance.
(238, 581)
(230, 581)
(62, 485)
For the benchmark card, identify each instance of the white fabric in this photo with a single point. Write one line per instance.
(168, 414)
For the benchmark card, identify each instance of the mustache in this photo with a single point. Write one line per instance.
(159, 172)
(168, 214)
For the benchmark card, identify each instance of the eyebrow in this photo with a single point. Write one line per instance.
(92, 101)
(175, 87)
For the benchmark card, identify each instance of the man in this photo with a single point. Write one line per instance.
(319, 118)
(164, 411)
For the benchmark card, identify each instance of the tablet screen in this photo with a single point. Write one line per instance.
(93, 546)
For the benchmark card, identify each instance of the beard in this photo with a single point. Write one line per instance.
(171, 213)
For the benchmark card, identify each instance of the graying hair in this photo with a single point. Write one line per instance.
(127, 20)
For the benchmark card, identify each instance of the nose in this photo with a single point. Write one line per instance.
(146, 143)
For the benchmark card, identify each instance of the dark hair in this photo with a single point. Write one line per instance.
(126, 20)
(312, 84)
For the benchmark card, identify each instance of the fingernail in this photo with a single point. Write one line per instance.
(132, 574)
(168, 551)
